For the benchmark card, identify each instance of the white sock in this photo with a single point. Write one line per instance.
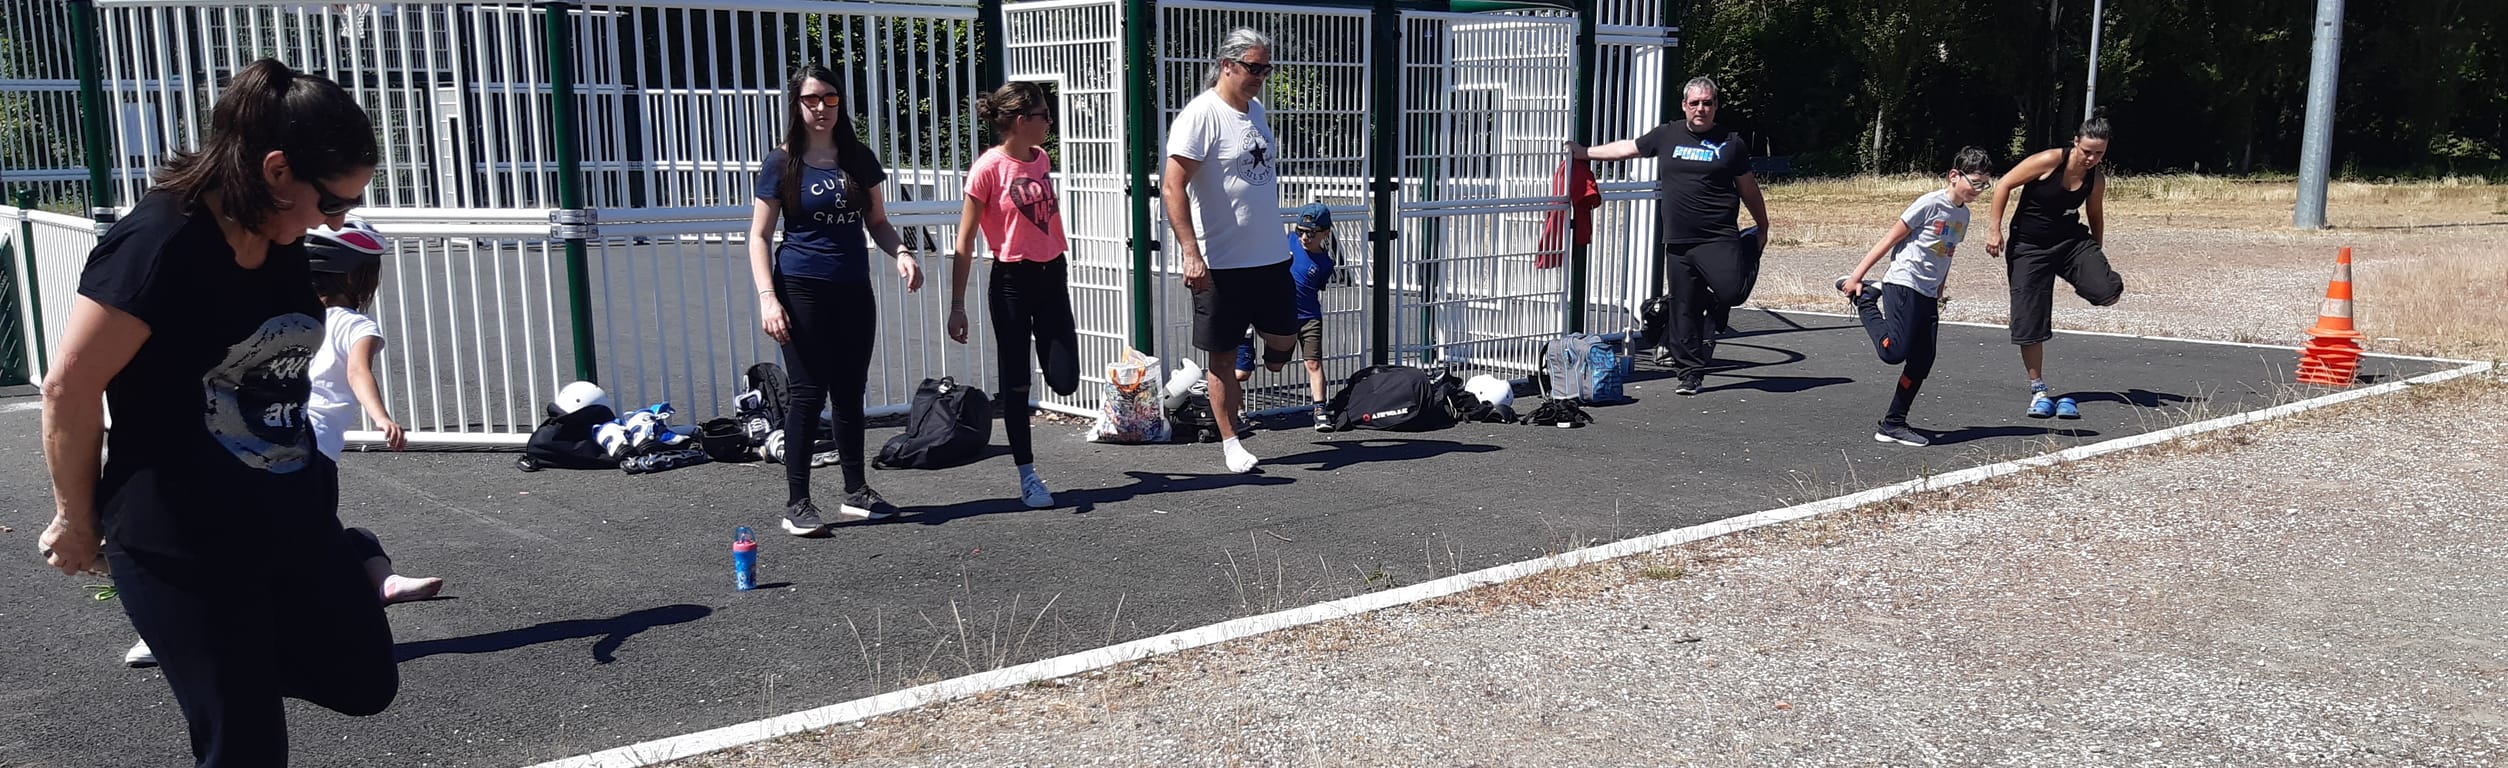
(1240, 460)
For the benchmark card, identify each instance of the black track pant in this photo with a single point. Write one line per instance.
(1904, 326)
(235, 635)
(833, 329)
(1031, 306)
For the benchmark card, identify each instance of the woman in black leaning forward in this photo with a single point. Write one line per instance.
(217, 514)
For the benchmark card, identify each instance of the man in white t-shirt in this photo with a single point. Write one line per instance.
(1222, 190)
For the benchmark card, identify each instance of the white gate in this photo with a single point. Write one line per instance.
(1485, 105)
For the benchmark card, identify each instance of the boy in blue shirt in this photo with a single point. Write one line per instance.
(1311, 264)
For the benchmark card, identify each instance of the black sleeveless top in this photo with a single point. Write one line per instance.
(2047, 211)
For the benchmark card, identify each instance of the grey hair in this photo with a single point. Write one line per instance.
(1238, 42)
(1702, 81)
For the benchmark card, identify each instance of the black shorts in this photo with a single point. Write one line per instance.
(1263, 297)
(2033, 269)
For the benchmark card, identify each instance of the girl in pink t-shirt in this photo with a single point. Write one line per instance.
(1010, 198)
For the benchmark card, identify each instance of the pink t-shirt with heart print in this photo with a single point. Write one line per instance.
(1022, 218)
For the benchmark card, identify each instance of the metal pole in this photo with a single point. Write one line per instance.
(571, 219)
(2316, 143)
(1581, 112)
(91, 108)
(1384, 117)
(1140, 108)
(2090, 93)
(994, 32)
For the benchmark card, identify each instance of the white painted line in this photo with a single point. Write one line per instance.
(676, 747)
(15, 407)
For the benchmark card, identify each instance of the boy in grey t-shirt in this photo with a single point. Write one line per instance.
(1903, 312)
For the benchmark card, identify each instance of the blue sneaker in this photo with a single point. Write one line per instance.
(2041, 406)
(2065, 408)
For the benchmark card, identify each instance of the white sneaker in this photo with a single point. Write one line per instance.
(1240, 460)
(140, 656)
(1032, 490)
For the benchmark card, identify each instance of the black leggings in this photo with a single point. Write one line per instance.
(235, 636)
(1702, 276)
(1905, 326)
(833, 327)
(1031, 300)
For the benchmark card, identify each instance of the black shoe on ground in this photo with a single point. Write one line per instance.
(801, 518)
(866, 504)
(1900, 434)
(1690, 384)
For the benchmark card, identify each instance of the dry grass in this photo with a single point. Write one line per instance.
(1806, 211)
(2208, 258)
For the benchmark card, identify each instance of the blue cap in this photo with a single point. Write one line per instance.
(1314, 216)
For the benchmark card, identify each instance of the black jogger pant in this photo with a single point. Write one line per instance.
(234, 635)
(1905, 326)
(1701, 275)
(1030, 302)
(834, 327)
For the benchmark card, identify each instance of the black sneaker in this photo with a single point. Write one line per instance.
(1870, 295)
(1690, 384)
(866, 504)
(1900, 434)
(801, 518)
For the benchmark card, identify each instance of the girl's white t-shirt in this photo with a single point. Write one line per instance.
(333, 406)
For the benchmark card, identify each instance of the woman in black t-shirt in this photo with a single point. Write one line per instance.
(217, 514)
(814, 288)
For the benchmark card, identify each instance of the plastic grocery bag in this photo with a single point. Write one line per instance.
(1128, 410)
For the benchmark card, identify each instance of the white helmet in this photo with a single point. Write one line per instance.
(582, 393)
(1492, 390)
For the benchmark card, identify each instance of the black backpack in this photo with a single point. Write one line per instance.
(1193, 421)
(949, 426)
(1395, 397)
(565, 441)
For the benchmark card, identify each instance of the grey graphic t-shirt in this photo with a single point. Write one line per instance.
(211, 451)
(1934, 229)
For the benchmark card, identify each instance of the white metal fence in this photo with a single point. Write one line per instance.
(47, 270)
(39, 150)
(678, 102)
(1317, 102)
(1076, 48)
(1485, 107)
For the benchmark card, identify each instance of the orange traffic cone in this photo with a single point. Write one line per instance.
(2332, 354)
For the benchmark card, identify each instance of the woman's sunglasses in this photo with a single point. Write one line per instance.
(817, 99)
(334, 205)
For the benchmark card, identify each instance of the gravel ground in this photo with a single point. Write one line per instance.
(2318, 591)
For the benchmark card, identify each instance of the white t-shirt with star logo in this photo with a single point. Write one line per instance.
(1236, 192)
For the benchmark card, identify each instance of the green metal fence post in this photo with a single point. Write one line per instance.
(1384, 118)
(992, 31)
(1140, 84)
(93, 122)
(573, 220)
(1581, 114)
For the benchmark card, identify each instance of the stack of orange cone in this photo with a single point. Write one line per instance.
(2332, 355)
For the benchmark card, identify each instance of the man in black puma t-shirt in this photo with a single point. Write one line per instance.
(1704, 170)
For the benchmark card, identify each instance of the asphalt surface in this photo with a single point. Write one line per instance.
(593, 609)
